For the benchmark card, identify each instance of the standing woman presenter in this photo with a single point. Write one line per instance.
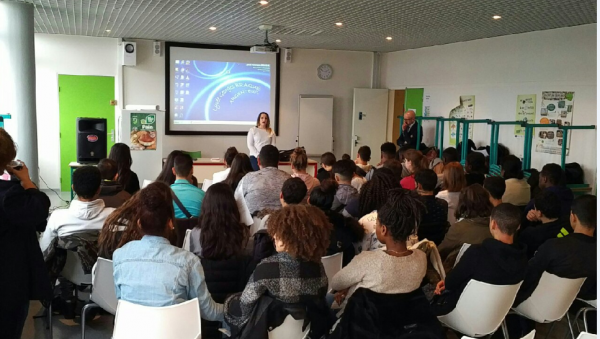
(260, 136)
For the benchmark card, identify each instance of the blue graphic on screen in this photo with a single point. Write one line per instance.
(215, 91)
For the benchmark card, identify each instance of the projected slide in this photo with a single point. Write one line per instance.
(215, 92)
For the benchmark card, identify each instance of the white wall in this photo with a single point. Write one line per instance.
(144, 84)
(496, 70)
(61, 54)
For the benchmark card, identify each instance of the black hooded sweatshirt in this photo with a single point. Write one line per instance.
(492, 262)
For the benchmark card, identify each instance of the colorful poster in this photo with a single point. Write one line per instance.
(143, 131)
(465, 110)
(557, 108)
(525, 112)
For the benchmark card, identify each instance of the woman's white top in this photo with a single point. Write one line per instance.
(257, 138)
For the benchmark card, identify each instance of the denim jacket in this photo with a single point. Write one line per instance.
(152, 272)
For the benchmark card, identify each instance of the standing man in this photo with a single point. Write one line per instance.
(409, 130)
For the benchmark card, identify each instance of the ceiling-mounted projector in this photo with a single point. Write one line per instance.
(267, 47)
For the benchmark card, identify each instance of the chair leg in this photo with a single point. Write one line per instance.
(505, 329)
(577, 317)
(570, 327)
(585, 311)
(50, 320)
(83, 310)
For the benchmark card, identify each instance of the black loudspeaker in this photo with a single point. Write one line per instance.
(91, 140)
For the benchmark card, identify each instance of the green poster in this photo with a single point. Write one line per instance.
(525, 112)
(143, 131)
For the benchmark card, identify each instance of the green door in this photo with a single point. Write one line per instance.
(81, 96)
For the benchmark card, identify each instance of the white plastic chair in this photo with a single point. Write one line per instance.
(530, 335)
(461, 252)
(593, 307)
(332, 265)
(550, 300)
(181, 321)
(206, 184)
(289, 329)
(481, 308)
(146, 182)
(103, 291)
(73, 271)
(585, 335)
(186, 240)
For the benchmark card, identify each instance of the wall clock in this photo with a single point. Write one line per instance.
(325, 72)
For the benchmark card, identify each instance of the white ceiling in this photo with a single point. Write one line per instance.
(310, 23)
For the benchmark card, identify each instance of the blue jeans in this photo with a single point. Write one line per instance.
(254, 163)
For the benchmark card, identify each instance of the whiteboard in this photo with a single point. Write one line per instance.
(315, 124)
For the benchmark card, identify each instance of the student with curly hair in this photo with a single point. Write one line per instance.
(120, 228)
(295, 274)
(396, 269)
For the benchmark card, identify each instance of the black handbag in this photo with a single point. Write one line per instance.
(182, 225)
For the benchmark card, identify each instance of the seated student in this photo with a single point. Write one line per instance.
(121, 154)
(327, 161)
(86, 214)
(475, 168)
(552, 179)
(396, 167)
(261, 189)
(189, 196)
(120, 227)
(295, 274)
(434, 223)
(345, 156)
(299, 162)
(23, 212)
(436, 164)
(240, 166)
(346, 231)
(573, 256)
(395, 269)
(547, 209)
(495, 187)
(219, 240)
(151, 271)
(449, 155)
(388, 152)
(518, 191)
(362, 161)
(111, 192)
(454, 182)
(414, 162)
(343, 171)
(228, 158)
(166, 174)
(359, 178)
(497, 261)
(473, 213)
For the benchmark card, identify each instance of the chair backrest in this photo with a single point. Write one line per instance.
(551, 299)
(481, 308)
(206, 184)
(103, 286)
(332, 265)
(289, 329)
(181, 321)
(462, 251)
(73, 270)
(585, 335)
(186, 240)
(146, 182)
(593, 303)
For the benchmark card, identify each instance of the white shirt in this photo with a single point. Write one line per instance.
(257, 138)
(220, 176)
(452, 199)
(79, 217)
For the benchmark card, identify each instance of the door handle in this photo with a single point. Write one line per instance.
(355, 140)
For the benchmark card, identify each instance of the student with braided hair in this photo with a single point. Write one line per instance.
(396, 269)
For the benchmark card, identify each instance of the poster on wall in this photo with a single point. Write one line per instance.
(525, 112)
(143, 131)
(557, 108)
(465, 110)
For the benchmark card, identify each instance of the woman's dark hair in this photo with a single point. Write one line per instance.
(512, 168)
(374, 193)
(473, 202)
(156, 210)
(8, 150)
(396, 167)
(323, 195)
(120, 153)
(240, 166)
(401, 213)
(120, 227)
(299, 159)
(166, 174)
(222, 234)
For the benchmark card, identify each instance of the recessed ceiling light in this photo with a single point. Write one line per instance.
(263, 2)
(496, 17)
(108, 31)
(278, 40)
(339, 24)
(213, 28)
(389, 38)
